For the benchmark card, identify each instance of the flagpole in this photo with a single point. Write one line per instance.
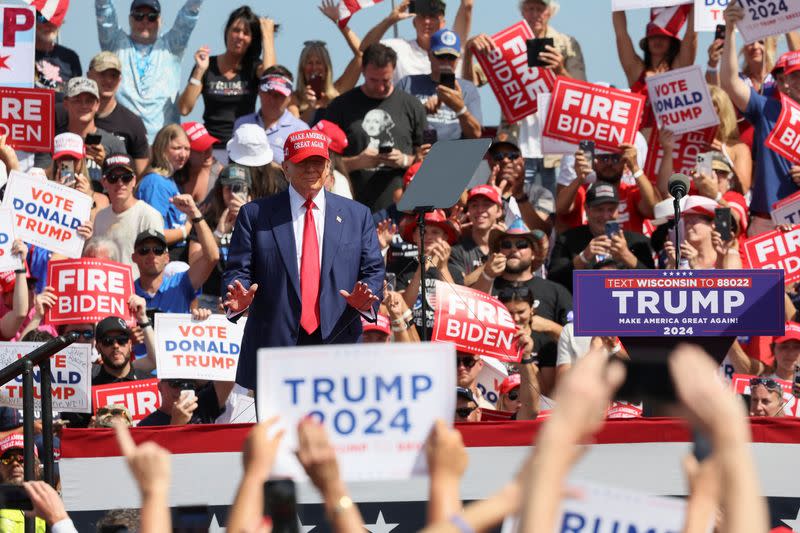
(394, 26)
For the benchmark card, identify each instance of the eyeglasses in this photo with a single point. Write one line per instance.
(13, 458)
(138, 16)
(520, 244)
(499, 156)
(126, 178)
(464, 412)
(608, 158)
(769, 383)
(467, 362)
(109, 341)
(315, 43)
(513, 395)
(144, 250)
(103, 411)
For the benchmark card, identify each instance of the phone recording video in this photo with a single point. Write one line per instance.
(587, 147)
(535, 47)
(448, 79)
(280, 504)
(722, 222)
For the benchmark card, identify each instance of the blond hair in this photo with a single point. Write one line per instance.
(728, 130)
(329, 90)
(770, 51)
(159, 163)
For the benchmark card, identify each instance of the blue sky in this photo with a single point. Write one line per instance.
(588, 20)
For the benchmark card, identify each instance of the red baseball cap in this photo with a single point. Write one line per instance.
(8, 279)
(699, 205)
(382, 324)
(791, 62)
(199, 138)
(486, 191)
(509, 384)
(303, 144)
(433, 218)
(337, 138)
(791, 333)
(408, 177)
(14, 441)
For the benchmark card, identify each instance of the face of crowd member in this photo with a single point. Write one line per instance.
(201, 159)
(378, 81)
(723, 180)
(698, 228)
(171, 392)
(238, 37)
(273, 104)
(764, 402)
(483, 212)
(467, 411)
(12, 468)
(518, 252)
(107, 81)
(659, 44)
(791, 85)
(598, 215)
(508, 161)
(441, 63)
(115, 349)
(86, 332)
(433, 234)
(314, 66)
(308, 176)
(120, 191)
(787, 354)
(46, 34)
(109, 417)
(537, 15)
(468, 367)
(144, 30)
(81, 108)
(609, 167)
(374, 336)
(151, 256)
(178, 151)
(510, 401)
(754, 52)
(426, 25)
(521, 312)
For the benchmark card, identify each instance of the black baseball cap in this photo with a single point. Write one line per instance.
(431, 7)
(462, 392)
(155, 5)
(233, 173)
(115, 161)
(150, 234)
(109, 324)
(601, 193)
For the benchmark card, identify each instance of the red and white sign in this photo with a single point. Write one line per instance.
(17, 52)
(27, 118)
(785, 136)
(776, 249)
(764, 18)
(7, 261)
(624, 5)
(708, 13)
(681, 101)
(475, 322)
(515, 85)
(684, 153)
(140, 397)
(207, 349)
(347, 9)
(585, 111)
(46, 213)
(89, 290)
(624, 410)
(787, 210)
(741, 385)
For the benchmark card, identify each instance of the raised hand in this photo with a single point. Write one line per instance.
(201, 58)
(386, 232)
(330, 8)
(361, 298)
(237, 299)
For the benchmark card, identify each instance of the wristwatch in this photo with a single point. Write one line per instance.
(145, 324)
(197, 220)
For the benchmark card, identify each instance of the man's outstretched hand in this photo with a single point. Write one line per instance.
(361, 298)
(237, 299)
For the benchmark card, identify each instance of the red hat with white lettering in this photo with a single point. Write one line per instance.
(68, 145)
(487, 191)
(14, 441)
(791, 333)
(509, 384)
(382, 324)
(792, 63)
(199, 138)
(303, 144)
(337, 138)
(780, 64)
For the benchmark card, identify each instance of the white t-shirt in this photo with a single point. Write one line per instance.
(411, 58)
(571, 347)
(341, 186)
(123, 228)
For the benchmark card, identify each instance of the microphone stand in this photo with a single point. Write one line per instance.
(421, 211)
(676, 202)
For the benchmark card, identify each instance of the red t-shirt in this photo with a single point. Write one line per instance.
(629, 216)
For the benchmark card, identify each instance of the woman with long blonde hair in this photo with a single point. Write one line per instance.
(727, 139)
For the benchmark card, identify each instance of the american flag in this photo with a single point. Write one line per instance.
(52, 10)
(348, 7)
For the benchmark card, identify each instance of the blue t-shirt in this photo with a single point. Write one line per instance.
(771, 181)
(174, 296)
(38, 259)
(156, 190)
(444, 121)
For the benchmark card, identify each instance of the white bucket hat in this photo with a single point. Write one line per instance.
(249, 146)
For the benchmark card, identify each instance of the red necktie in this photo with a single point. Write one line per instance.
(309, 273)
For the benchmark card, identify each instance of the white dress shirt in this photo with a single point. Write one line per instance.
(299, 221)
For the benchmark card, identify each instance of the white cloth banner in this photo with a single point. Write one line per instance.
(624, 5)
(377, 401)
(764, 18)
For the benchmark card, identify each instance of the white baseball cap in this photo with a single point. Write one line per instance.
(249, 146)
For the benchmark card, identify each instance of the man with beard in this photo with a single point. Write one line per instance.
(113, 343)
(12, 472)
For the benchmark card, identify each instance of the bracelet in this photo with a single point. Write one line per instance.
(145, 324)
(197, 220)
(532, 359)
(462, 111)
(719, 196)
(20, 271)
(408, 315)
(487, 278)
(195, 81)
(712, 70)
(405, 161)
(183, 232)
(638, 174)
(583, 257)
(398, 321)
(399, 329)
(458, 521)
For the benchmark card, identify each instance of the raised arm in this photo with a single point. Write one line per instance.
(268, 55)
(665, 170)
(194, 87)
(349, 77)
(376, 33)
(793, 41)
(631, 63)
(200, 269)
(13, 319)
(177, 37)
(688, 51)
(462, 24)
(729, 78)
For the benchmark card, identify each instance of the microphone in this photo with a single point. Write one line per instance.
(678, 186)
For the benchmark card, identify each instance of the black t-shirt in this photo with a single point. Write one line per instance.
(208, 410)
(398, 119)
(126, 126)
(55, 68)
(554, 301)
(465, 257)
(101, 377)
(226, 99)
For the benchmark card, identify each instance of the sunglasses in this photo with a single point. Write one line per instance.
(467, 362)
(513, 395)
(464, 412)
(513, 293)
(112, 412)
(13, 458)
(118, 339)
(138, 16)
(158, 250)
(126, 178)
(181, 384)
(608, 158)
(508, 244)
(769, 383)
(499, 156)
(314, 43)
(86, 333)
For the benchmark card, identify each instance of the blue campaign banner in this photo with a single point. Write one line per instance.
(669, 303)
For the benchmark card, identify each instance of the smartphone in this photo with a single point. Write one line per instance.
(587, 147)
(14, 497)
(701, 446)
(240, 190)
(385, 148)
(191, 519)
(722, 222)
(187, 393)
(703, 165)
(448, 79)
(412, 6)
(317, 84)
(535, 47)
(429, 135)
(719, 33)
(92, 138)
(280, 504)
(391, 281)
(66, 172)
(612, 228)
(796, 386)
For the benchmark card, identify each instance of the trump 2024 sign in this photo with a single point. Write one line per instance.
(669, 303)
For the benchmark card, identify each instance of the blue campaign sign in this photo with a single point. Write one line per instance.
(668, 303)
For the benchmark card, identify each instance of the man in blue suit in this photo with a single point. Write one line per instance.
(292, 255)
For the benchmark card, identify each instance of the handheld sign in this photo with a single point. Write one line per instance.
(776, 250)
(681, 101)
(475, 322)
(188, 349)
(625, 5)
(708, 13)
(490, 378)
(7, 261)
(46, 213)
(672, 303)
(581, 110)
(89, 290)
(27, 118)
(515, 85)
(684, 152)
(17, 51)
(791, 407)
(71, 370)
(378, 403)
(785, 136)
(787, 210)
(764, 18)
(140, 397)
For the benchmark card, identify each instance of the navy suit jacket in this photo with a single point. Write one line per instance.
(262, 250)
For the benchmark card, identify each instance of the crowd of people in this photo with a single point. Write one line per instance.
(235, 214)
